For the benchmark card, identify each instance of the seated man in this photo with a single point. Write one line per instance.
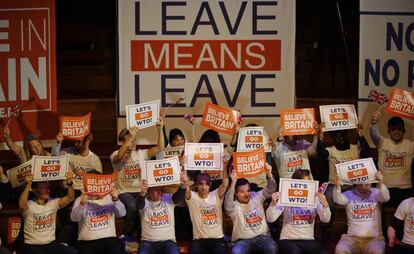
(96, 219)
(157, 218)
(363, 210)
(206, 215)
(297, 234)
(403, 221)
(250, 230)
(39, 216)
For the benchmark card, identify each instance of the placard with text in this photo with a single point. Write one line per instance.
(75, 127)
(297, 193)
(357, 171)
(99, 185)
(169, 152)
(143, 115)
(50, 168)
(401, 103)
(220, 119)
(297, 121)
(162, 172)
(204, 156)
(249, 164)
(251, 138)
(338, 117)
(18, 174)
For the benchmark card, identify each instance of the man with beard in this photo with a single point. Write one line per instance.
(341, 151)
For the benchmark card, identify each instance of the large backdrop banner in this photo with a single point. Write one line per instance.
(386, 55)
(28, 68)
(237, 54)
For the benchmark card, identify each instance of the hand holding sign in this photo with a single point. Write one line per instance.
(275, 198)
(114, 195)
(29, 180)
(144, 187)
(84, 199)
(322, 199)
(69, 178)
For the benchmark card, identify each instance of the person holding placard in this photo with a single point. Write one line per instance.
(245, 208)
(31, 146)
(341, 151)
(297, 234)
(128, 162)
(157, 218)
(402, 222)
(96, 218)
(206, 215)
(363, 210)
(39, 216)
(395, 157)
(291, 153)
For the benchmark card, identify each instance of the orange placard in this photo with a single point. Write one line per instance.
(74, 127)
(98, 184)
(13, 228)
(144, 115)
(297, 121)
(249, 164)
(219, 119)
(50, 168)
(401, 103)
(253, 139)
(203, 156)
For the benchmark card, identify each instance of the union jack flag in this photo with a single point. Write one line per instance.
(15, 110)
(189, 118)
(377, 97)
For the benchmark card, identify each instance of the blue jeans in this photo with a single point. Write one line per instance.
(300, 247)
(163, 247)
(208, 246)
(51, 248)
(259, 244)
(131, 219)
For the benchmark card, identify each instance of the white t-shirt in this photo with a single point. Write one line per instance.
(129, 170)
(40, 222)
(97, 218)
(80, 164)
(363, 213)
(298, 222)
(249, 219)
(157, 220)
(405, 212)
(337, 156)
(394, 161)
(206, 215)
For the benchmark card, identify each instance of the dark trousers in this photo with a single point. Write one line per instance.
(159, 247)
(208, 246)
(397, 196)
(403, 249)
(100, 246)
(51, 248)
(300, 247)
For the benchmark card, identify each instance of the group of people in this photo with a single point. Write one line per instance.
(252, 204)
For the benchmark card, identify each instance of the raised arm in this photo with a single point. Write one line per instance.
(322, 208)
(274, 210)
(125, 145)
(271, 183)
(25, 193)
(79, 208)
(338, 196)
(312, 150)
(384, 194)
(3, 177)
(224, 182)
(229, 205)
(57, 147)
(278, 146)
(180, 193)
(10, 143)
(119, 207)
(160, 142)
(71, 193)
(374, 129)
(140, 202)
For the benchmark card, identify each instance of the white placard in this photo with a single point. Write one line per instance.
(298, 193)
(357, 171)
(169, 152)
(338, 117)
(203, 156)
(251, 138)
(143, 115)
(162, 172)
(48, 168)
(18, 174)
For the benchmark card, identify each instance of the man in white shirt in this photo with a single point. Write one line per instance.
(250, 230)
(363, 210)
(39, 216)
(96, 219)
(403, 221)
(157, 218)
(395, 158)
(206, 215)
